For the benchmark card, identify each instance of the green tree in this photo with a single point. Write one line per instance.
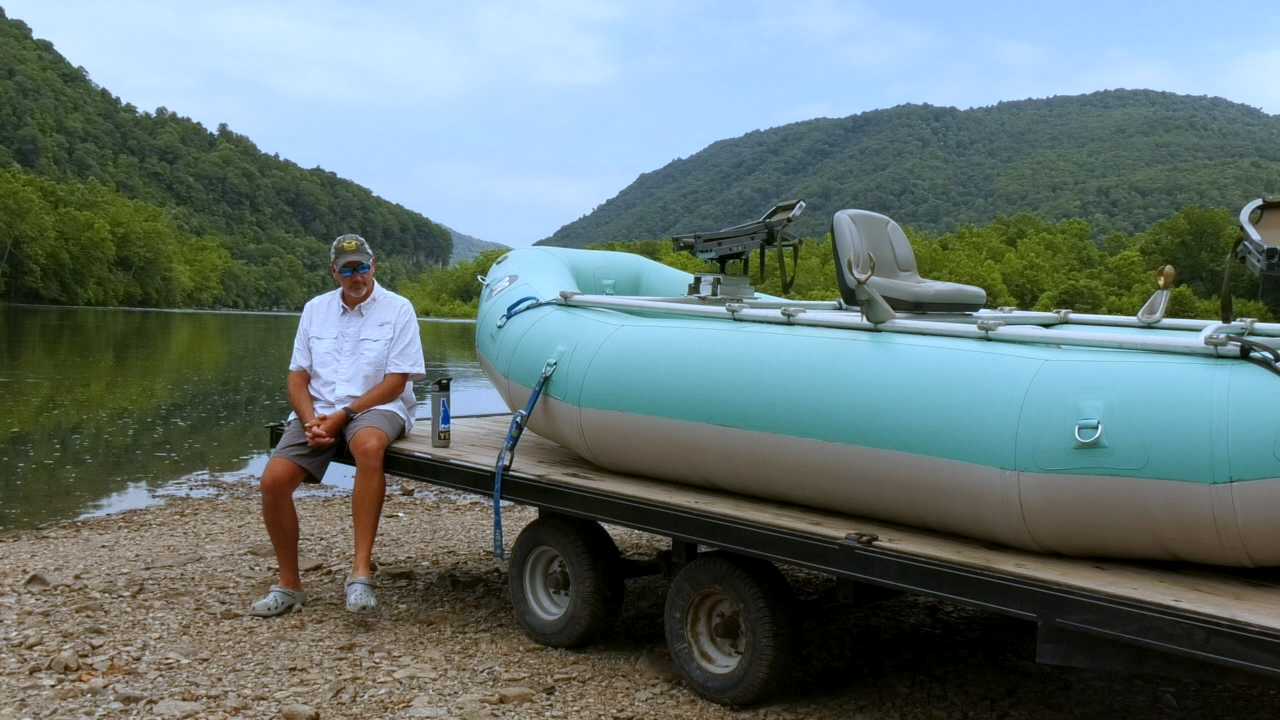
(1197, 241)
(152, 209)
(452, 292)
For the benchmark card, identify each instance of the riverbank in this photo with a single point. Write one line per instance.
(144, 615)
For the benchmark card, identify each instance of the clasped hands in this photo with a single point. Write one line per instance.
(323, 430)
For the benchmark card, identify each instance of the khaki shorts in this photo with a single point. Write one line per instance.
(315, 460)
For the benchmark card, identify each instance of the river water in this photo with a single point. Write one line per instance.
(105, 409)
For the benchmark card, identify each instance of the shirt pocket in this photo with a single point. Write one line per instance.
(326, 349)
(375, 345)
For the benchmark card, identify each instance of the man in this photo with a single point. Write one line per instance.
(355, 358)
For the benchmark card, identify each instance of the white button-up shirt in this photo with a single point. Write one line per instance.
(349, 351)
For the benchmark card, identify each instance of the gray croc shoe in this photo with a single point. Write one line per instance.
(278, 602)
(360, 597)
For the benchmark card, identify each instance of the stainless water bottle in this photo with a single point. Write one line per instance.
(440, 412)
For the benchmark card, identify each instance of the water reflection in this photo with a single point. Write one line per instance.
(106, 407)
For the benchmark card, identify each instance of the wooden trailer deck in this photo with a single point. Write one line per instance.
(1086, 608)
(1251, 597)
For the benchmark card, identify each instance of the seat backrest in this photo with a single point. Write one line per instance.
(859, 235)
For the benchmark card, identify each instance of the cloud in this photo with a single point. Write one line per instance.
(433, 55)
(850, 33)
(548, 43)
(380, 54)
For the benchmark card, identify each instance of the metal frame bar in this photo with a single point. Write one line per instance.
(1207, 342)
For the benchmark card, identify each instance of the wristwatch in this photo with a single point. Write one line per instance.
(351, 414)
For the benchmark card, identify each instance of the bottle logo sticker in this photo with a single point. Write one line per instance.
(444, 420)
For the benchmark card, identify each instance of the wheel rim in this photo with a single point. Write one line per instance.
(715, 632)
(547, 585)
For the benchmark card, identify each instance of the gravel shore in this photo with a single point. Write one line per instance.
(144, 615)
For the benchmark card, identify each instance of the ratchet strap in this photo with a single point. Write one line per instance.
(508, 454)
(1252, 351)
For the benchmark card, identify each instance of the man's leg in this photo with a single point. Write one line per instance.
(281, 478)
(368, 446)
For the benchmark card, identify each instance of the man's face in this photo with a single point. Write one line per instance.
(355, 284)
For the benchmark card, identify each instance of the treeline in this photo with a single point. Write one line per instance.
(452, 292)
(250, 229)
(83, 244)
(1021, 261)
(1120, 160)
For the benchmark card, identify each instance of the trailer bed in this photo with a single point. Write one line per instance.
(1199, 621)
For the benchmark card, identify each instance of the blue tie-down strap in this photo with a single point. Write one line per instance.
(507, 455)
(525, 303)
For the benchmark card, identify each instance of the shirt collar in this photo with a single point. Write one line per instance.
(364, 307)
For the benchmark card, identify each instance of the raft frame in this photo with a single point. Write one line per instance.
(1243, 339)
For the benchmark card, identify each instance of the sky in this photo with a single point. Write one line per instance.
(508, 119)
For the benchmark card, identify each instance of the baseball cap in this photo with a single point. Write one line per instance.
(348, 248)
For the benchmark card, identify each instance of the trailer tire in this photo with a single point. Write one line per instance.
(729, 627)
(565, 582)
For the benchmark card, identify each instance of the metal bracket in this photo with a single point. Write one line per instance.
(738, 242)
(990, 325)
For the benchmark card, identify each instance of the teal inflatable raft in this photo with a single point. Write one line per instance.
(1142, 438)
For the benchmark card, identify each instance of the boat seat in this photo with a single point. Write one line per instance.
(860, 234)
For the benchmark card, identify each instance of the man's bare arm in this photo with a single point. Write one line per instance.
(300, 396)
(325, 428)
(384, 392)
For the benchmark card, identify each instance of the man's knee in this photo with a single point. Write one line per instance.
(369, 445)
(281, 477)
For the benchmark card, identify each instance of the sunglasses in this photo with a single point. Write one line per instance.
(361, 269)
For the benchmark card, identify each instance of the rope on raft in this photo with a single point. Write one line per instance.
(519, 306)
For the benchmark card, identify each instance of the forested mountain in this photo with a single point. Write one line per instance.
(467, 247)
(1120, 160)
(101, 203)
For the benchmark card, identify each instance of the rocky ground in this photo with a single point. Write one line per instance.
(144, 615)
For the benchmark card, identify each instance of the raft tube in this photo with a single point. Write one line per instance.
(1049, 446)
